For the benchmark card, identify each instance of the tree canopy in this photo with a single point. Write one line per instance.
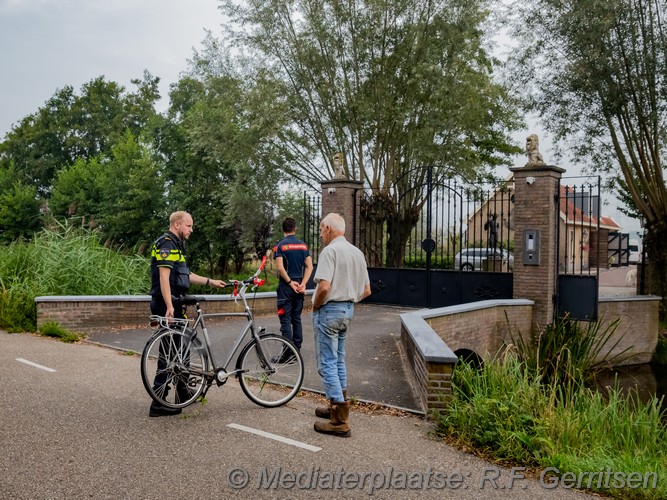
(392, 87)
(390, 84)
(596, 73)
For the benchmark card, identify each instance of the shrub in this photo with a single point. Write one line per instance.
(53, 329)
(565, 353)
(509, 414)
(17, 310)
(437, 262)
(532, 406)
(660, 354)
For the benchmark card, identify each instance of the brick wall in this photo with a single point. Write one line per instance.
(82, 313)
(427, 337)
(342, 197)
(430, 338)
(483, 326)
(636, 337)
(430, 360)
(535, 208)
(603, 239)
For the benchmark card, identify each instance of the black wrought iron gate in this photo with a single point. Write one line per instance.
(578, 248)
(421, 242)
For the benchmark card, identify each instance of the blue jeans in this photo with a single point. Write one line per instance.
(330, 325)
(290, 307)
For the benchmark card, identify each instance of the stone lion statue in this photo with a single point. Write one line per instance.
(533, 151)
(338, 165)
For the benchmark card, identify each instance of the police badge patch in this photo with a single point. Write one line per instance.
(164, 254)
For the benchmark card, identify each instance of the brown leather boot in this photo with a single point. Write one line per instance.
(325, 411)
(339, 425)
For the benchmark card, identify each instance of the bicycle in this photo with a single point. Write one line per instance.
(269, 367)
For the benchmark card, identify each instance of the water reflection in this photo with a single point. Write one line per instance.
(648, 380)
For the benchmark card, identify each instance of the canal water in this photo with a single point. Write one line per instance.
(649, 380)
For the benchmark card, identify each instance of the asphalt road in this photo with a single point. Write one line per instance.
(82, 430)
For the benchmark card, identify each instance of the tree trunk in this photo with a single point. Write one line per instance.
(656, 236)
(375, 210)
(399, 229)
(371, 241)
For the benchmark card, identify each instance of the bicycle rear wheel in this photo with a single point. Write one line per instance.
(271, 370)
(174, 368)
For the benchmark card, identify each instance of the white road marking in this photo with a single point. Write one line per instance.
(46, 368)
(275, 437)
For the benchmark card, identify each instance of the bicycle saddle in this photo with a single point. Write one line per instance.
(188, 300)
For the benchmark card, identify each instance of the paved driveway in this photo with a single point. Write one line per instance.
(376, 365)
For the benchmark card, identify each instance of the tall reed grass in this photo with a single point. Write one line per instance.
(532, 406)
(565, 353)
(63, 260)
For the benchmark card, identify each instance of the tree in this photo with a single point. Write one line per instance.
(132, 187)
(121, 194)
(70, 127)
(19, 212)
(77, 191)
(597, 75)
(393, 85)
(219, 166)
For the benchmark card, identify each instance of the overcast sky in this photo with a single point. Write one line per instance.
(48, 44)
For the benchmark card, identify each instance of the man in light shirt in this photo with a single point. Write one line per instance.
(342, 280)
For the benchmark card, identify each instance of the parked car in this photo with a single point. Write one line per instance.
(470, 259)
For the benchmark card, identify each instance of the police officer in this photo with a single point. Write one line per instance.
(170, 279)
(295, 266)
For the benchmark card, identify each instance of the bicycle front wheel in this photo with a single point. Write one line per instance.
(271, 370)
(174, 368)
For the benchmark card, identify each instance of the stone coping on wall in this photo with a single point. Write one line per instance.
(430, 359)
(629, 298)
(142, 298)
(85, 312)
(429, 343)
(474, 306)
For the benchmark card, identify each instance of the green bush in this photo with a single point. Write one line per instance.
(660, 354)
(497, 409)
(564, 353)
(17, 311)
(439, 262)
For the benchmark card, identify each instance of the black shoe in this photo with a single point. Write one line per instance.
(157, 410)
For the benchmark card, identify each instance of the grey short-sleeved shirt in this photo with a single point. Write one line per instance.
(344, 266)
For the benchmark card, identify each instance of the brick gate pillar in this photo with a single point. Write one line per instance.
(536, 211)
(342, 196)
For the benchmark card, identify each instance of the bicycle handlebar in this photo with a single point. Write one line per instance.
(239, 288)
(241, 285)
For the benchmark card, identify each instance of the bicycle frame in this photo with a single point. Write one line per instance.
(250, 326)
(240, 287)
(269, 368)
